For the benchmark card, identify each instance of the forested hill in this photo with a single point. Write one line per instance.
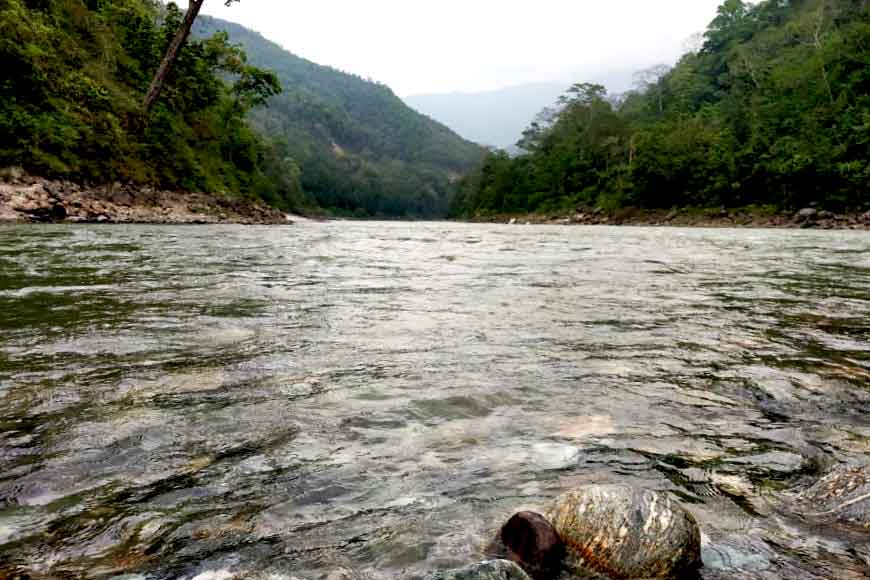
(358, 148)
(73, 77)
(772, 110)
(74, 73)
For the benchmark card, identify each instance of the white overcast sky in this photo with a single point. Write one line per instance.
(471, 45)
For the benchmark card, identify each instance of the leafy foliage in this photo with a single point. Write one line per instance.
(773, 109)
(74, 74)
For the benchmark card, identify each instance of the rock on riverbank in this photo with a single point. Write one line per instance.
(26, 199)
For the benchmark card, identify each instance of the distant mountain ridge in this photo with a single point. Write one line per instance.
(357, 146)
(496, 118)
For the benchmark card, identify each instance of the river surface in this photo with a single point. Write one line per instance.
(371, 400)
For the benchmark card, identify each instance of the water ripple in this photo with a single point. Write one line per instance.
(221, 402)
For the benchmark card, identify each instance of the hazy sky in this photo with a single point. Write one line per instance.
(470, 45)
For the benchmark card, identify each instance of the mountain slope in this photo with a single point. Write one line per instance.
(358, 148)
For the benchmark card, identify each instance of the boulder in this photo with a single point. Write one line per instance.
(842, 496)
(624, 532)
(554, 456)
(41, 208)
(865, 218)
(12, 174)
(488, 570)
(530, 541)
(807, 214)
(782, 463)
(58, 212)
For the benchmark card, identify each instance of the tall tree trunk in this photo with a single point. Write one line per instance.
(171, 55)
(817, 42)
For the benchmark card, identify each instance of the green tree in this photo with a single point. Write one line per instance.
(172, 52)
(771, 109)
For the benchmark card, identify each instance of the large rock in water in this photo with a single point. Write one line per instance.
(531, 541)
(489, 570)
(625, 533)
(842, 496)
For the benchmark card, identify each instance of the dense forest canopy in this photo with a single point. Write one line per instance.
(70, 100)
(75, 73)
(772, 108)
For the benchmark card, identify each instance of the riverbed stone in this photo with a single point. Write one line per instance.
(487, 570)
(807, 214)
(12, 174)
(842, 496)
(340, 574)
(529, 540)
(554, 456)
(625, 532)
(773, 462)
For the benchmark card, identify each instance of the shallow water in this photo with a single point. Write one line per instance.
(211, 402)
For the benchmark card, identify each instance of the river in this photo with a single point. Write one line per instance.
(376, 398)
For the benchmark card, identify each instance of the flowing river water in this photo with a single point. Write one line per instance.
(371, 400)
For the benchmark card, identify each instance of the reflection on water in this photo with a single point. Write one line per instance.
(225, 402)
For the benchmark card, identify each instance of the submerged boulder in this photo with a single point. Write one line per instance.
(531, 541)
(624, 532)
(488, 570)
(842, 496)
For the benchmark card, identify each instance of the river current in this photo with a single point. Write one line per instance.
(372, 400)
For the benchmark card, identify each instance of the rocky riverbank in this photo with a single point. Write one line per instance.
(28, 199)
(691, 217)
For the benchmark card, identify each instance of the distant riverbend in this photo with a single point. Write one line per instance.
(359, 400)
